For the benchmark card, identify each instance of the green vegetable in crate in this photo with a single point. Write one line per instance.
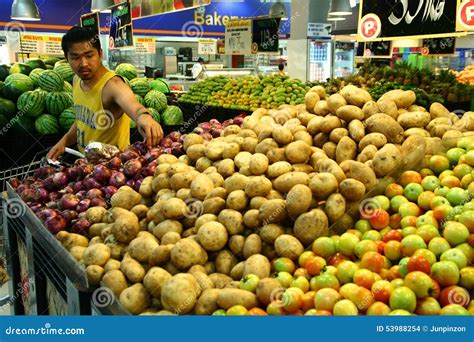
(67, 118)
(156, 99)
(140, 86)
(20, 68)
(50, 80)
(155, 114)
(36, 64)
(57, 102)
(160, 85)
(22, 124)
(67, 87)
(65, 71)
(31, 103)
(140, 99)
(7, 108)
(172, 116)
(35, 75)
(15, 85)
(126, 70)
(47, 124)
(3, 72)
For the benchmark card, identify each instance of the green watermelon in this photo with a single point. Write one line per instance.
(67, 87)
(35, 74)
(67, 118)
(22, 124)
(160, 85)
(36, 64)
(50, 80)
(17, 84)
(140, 86)
(155, 114)
(7, 108)
(156, 99)
(31, 104)
(51, 61)
(58, 101)
(172, 116)
(47, 124)
(3, 122)
(4, 72)
(2, 85)
(126, 70)
(20, 68)
(49, 67)
(65, 70)
(140, 99)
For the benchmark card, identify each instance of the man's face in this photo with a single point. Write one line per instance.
(84, 59)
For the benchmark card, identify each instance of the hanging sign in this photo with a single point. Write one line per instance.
(319, 30)
(265, 35)
(207, 47)
(121, 30)
(465, 15)
(91, 21)
(399, 19)
(145, 45)
(378, 49)
(440, 46)
(146, 8)
(45, 45)
(238, 37)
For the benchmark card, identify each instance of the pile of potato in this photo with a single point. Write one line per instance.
(269, 189)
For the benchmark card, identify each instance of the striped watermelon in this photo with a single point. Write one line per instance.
(7, 108)
(65, 70)
(67, 87)
(160, 85)
(51, 61)
(57, 102)
(50, 80)
(140, 86)
(47, 124)
(126, 70)
(17, 84)
(20, 68)
(67, 118)
(35, 74)
(31, 103)
(155, 114)
(36, 63)
(140, 99)
(21, 124)
(156, 99)
(172, 116)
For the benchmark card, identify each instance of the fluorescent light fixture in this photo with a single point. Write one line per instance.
(336, 18)
(25, 10)
(340, 7)
(101, 5)
(278, 9)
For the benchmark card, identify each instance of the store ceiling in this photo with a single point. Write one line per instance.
(348, 26)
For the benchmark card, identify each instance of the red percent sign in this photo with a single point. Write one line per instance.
(466, 13)
(370, 26)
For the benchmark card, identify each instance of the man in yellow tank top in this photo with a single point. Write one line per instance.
(100, 99)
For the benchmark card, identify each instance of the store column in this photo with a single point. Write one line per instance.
(302, 13)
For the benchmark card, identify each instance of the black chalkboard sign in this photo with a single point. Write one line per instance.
(265, 35)
(440, 46)
(91, 21)
(378, 49)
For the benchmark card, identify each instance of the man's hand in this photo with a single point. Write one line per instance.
(57, 150)
(149, 129)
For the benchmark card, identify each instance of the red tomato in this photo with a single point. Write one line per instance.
(395, 220)
(372, 261)
(435, 290)
(257, 312)
(419, 263)
(380, 246)
(323, 313)
(308, 301)
(454, 295)
(408, 177)
(470, 240)
(379, 219)
(393, 235)
(314, 265)
(301, 272)
(336, 259)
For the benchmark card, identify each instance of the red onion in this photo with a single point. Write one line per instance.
(238, 120)
(115, 163)
(91, 183)
(22, 187)
(81, 194)
(182, 138)
(151, 155)
(149, 170)
(73, 173)
(93, 193)
(48, 184)
(54, 196)
(110, 190)
(206, 136)
(35, 207)
(132, 167)
(42, 195)
(69, 215)
(227, 123)
(140, 147)
(205, 126)
(177, 149)
(128, 154)
(52, 205)
(80, 226)
(69, 201)
(55, 224)
(28, 195)
(60, 179)
(99, 202)
(46, 213)
(102, 173)
(43, 172)
(80, 161)
(83, 205)
(78, 186)
(167, 150)
(137, 184)
(214, 122)
(130, 183)
(86, 169)
(15, 183)
(174, 135)
(68, 190)
(166, 142)
(117, 179)
(198, 130)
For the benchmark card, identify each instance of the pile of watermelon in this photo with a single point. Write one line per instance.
(36, 97)
(151, 94)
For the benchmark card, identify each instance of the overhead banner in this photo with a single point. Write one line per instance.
(207, 47)
(91, 21)
(399, 19)
(147, 8)
(121, 30)
(238, 37)
(465, 15)
(265, 35)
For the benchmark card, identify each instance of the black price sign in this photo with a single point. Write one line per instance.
(121, 30)
(378, 49)
(91, 21)
(265, 35)
(440, 46)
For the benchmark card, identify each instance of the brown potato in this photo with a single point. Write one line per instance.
(298, 152)
(212, 236)
(207, 302)
(268, 289)
(329, 165)
(382, 123)
(288, 246)
(356, 130)
(251, 219)
(236, 245)
(367, 153)
(321, 108)
(232, 221)
(132, 269)
(334, 102)
(386, 160)
(273, 211)
(310, 225)
(270, 232)
(376, 139)
(213, 205)
(346, 150)
(329, 123)
(258, 186)
(414, 119)
(225, 261)
(389, 107)
(252, 245)
(323, 184)
(335, 206)
(370, 108)
(115, 280)
(186, 253)
(337, 134)
(180, 293)
(285, 182)
(329, 149)
(298, 200)
(155, 279)
(349, 113)
(352, 189)
(257, 264)
(229, 297)
(135, 299)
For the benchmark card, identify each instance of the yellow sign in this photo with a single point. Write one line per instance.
(145, 45)
(465, 15)
(41, 45)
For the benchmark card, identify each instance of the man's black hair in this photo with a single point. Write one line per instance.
(281, 66)
(200, 60)
(78, 34)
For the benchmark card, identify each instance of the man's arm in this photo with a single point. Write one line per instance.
(70, 138)
(124, 97)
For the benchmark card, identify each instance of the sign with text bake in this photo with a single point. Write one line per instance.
(265, 35)
(397, 19)
(91, 21)
(238, 37)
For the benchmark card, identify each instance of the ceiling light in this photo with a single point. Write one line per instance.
(278, 9)
(340, 7)
(25, 10)
(101, 5)
(335, 19)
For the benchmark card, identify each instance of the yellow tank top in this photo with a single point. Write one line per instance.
(93, 122)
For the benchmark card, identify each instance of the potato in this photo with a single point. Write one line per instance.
(196, 151)
(416, 131)
(112, 265)
(95, 214)
(451, 137)
(125, 198)
(212, 236)
(386, 160)
(225, 261)
(346, 150)
(370, 108)
(298, 200)
(181, 180)
(180, 293)
(414, 119)
(310, 225)
(367, 153)
(303, 168)
(323, 184)
(229, 297)
(77, 252)
(376, 139)
(140, 248)
(389, 107)
(334, 102)
(403, 99)
(288, 246)
(166, 159)
(257, 264)
(192, 139)
(314, 126)
(217, 192)
(96, 229)
(268, 289)
(236, 245)
(232, 220)
(230, 130)
(297, 152)
(285, 182)
(220, 280)
(305, 118)
(135, 299)
(70, 240)
(161, 181)
(319, 90)
(258, 186)
(160, 255)
(252, 245)
(237, 271)
(97, 254)
(330, 123)
(355, 96)
(237, 200)
(155, 279)
(132, 269)
(115, 280)
(207, 302)
(251, 219)
(362, 173)
(94, 274)
(274, 155)
(213, 205)
(414, 152)
(235, 182)
(349, 113)
(186, 253)
(201, 186)
(352, 189)
(437, 110)
(177, 168)
(342, 225)
(167, 226)
(335, 206)
(337, 134)
(382, 123)
(321, 108)
(174, 208)
(330, 166)
(272, 211)
(279, 168)
(320, 139)
(258, 164)
(204, 219)
(310, 99)
(270, 232)
(266, 145)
